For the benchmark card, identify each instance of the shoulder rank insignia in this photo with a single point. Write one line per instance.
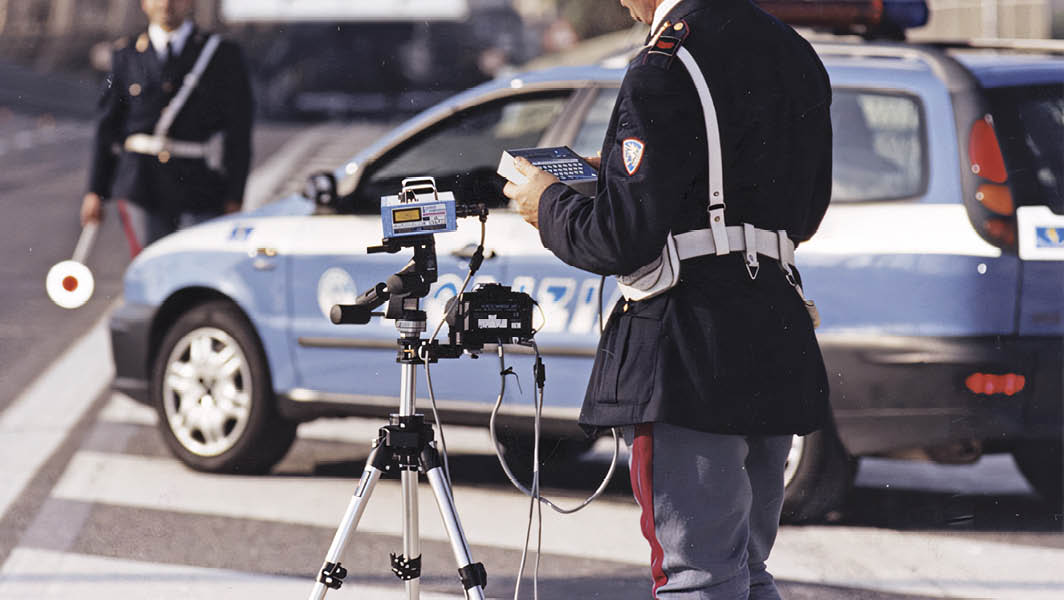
(663, 48)
(633, 154)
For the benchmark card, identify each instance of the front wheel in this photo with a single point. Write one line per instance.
(817, 477)
(211, 388)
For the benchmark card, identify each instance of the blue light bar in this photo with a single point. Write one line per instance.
(906, 14)
(858, 16)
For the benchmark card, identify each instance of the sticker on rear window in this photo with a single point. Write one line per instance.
(1049, 237)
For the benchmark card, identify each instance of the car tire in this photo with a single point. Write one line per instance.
(817, 477)
(211, 388)
(1042, 464)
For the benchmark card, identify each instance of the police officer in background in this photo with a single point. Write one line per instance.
(711, 378)
(169, 171)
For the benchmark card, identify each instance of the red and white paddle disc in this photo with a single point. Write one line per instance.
(69, 284)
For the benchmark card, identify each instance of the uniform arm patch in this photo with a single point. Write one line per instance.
(633, 154)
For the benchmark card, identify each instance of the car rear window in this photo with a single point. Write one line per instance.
(879, 146)
(1029, 121)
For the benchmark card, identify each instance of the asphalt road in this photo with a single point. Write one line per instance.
(93, 506)
(45, 155)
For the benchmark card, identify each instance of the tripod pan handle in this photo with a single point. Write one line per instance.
(350, 314)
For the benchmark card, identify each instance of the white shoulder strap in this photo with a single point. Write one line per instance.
(716, 168)
(189, 84)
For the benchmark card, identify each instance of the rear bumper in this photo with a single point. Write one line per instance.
(130, 346)
(891, 394)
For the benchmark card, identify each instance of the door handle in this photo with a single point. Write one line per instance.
(263, 258)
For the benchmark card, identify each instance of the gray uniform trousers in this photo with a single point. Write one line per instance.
(710, 509)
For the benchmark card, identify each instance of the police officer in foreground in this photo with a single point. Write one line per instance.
(712, 375)
(173, 140)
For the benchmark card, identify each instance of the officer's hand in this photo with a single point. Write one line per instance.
(91, 209)
(594, 161)
(526, 196)
(231, 207)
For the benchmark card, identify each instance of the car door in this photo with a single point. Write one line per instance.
(356, 364)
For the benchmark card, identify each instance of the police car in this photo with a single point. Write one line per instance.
(938, 272)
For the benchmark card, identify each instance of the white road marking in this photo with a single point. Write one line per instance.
(915, 563)
(46, 575)
(932, 564)
(360, 432)
(993, 475)
(491, 518)
(38, 421)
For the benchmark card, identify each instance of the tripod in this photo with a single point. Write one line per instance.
(406, 444)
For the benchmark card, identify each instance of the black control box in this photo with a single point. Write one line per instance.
(490, 314)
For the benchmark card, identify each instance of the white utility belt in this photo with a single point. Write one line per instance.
(746, 238)
(165, 148)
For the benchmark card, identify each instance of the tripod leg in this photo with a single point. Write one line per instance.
(473, 575)
(332, 574)
(411, 535)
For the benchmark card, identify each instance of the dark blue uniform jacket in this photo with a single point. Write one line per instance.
(136, 91)
(721, 352)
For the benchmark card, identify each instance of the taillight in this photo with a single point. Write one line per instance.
(988, 384)
(997, 198)
(1001, 230)
(992, 190)
(984, 152)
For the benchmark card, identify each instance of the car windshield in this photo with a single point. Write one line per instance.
(878, 146)
(463, 151)
(1030, 127)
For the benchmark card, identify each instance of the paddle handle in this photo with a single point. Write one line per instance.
(85, 240)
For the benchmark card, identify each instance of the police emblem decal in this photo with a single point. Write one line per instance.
(633, 154)
(335, 286)
(1049, 237)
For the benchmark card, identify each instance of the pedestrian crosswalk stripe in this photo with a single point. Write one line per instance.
(490, 517)
(38, 421)
(49, 575)
(865, 558)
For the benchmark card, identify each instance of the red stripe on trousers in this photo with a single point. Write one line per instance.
(642, 473)
(127, 226)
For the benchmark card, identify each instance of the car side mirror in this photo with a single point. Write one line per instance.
(321, 189)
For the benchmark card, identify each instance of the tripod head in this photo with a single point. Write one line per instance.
(412, 282)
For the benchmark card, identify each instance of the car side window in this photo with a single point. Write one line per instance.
(879, 146)
(462, 152)
(588, 140)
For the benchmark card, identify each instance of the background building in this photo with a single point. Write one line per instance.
(990, 19)
(423, 56)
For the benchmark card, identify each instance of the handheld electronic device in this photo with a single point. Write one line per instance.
(560, 161)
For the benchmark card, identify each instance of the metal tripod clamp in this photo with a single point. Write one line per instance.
(473, 575)
(332, 575)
